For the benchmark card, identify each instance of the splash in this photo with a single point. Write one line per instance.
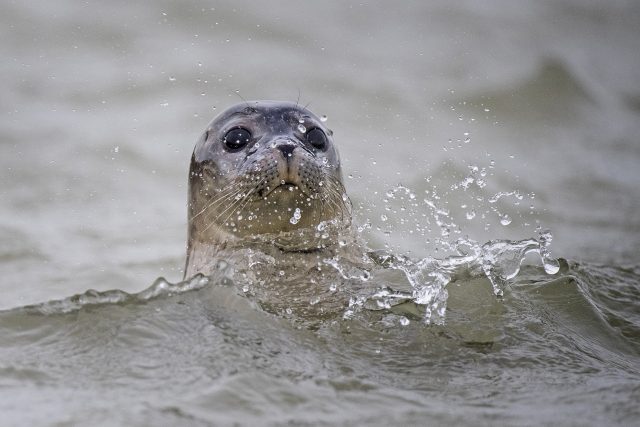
(498, 260)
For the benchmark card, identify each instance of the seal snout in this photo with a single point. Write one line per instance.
(287, 150)
(289, 166)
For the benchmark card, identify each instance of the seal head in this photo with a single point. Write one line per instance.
(266, 171)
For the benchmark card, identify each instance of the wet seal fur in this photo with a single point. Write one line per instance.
(266, 172)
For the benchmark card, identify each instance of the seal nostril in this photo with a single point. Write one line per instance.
(287, 149)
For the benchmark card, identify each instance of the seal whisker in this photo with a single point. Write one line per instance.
(237, 199)
(243, 201)
(233, 195)
(226, 193)
(222, 201)
(237, 202)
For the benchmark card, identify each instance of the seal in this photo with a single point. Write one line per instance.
(264, 172)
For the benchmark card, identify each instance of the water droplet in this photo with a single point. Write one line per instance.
(505, 219)
(383, 217)
(164, 104)
(323, 118)
(301, 128)
(116, 148)
(172, 79)
(471, 214)
(404, 321)
(297, 214)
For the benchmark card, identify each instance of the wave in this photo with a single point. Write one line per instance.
(160, 288)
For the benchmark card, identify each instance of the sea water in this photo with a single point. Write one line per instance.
(490, 152)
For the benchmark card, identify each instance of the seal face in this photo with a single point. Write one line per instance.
(266, 171)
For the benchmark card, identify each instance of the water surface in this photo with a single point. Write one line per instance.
(460, 127)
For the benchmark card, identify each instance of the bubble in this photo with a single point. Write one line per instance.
(505, 219)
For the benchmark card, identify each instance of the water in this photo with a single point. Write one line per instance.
(466, 132)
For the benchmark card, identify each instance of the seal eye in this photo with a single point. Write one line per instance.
(317, 138)
(236, 138)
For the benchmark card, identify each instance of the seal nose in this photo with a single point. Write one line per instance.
(287, 150)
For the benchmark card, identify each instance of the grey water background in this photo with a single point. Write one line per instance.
(101, 105)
